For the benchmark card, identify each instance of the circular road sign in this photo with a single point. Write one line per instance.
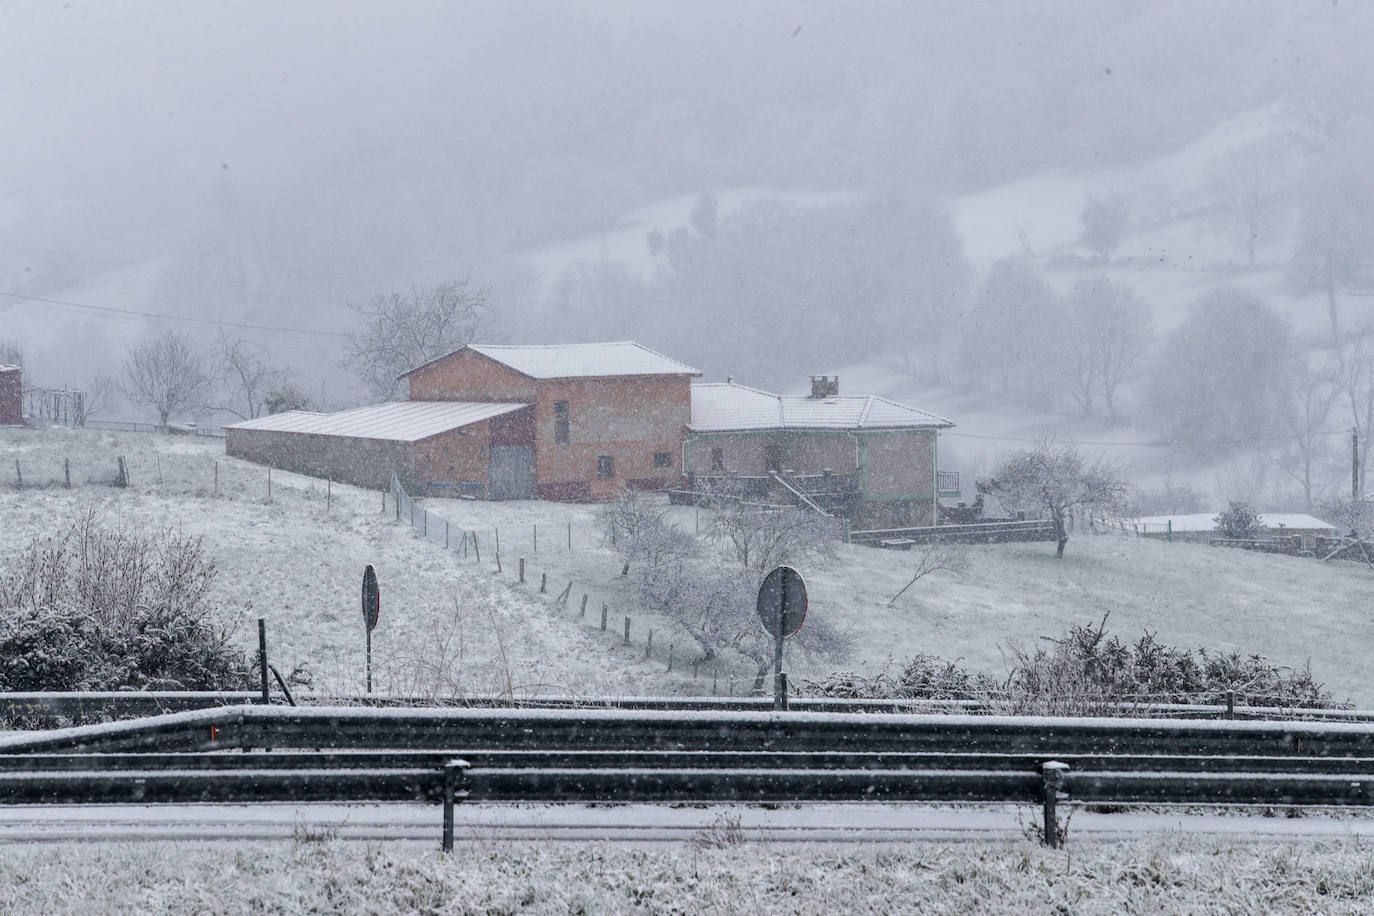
(372, 599)
(782, 600)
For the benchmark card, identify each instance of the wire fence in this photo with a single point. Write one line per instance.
(538, 557)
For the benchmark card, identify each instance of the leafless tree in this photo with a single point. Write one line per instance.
(934, 557)
(11, 352)
(1054, 480)
(166, 373)
(1357, 386)
(1109, 332)
(1104, 219)
(94, 397)
(403, 330)
(1306, 416)
(638, 527)
(1248, 192)
(243, 377)
(761, 537)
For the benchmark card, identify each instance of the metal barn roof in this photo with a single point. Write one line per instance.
(722, 407)
(1206, 521)
(621, 357)
(396, 421)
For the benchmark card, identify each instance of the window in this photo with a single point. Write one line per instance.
(605, 466)
(561, 426)
(663, 459)
(717, 459)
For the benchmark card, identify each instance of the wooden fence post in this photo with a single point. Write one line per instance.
(583, 613)
(522, 570)
(543, 583)
(604, 612)
(648, 645)
(670, 658)
(627, 629)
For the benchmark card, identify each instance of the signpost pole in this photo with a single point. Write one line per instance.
(372, 607)
(779, 679)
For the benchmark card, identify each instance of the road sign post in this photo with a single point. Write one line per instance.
(782, 609)
(372, 608)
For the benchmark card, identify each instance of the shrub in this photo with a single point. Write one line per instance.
(103, 608)
(1240, 521)
(1087, 672)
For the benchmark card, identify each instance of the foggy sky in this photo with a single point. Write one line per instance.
(287, 158)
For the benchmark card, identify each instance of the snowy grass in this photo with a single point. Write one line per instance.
(1164, 875)
(451, 626)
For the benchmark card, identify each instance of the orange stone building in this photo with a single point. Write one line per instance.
(605, 415)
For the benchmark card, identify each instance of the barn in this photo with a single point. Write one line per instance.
(868, 458)
(11, 396)
(605, 415)
(436, 448)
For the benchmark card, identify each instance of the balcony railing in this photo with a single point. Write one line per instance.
(947, 483)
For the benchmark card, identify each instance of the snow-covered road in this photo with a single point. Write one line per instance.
(637, 823)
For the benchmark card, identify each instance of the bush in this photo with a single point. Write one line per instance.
(1239, 521)
(1087, 672)
(107, 608)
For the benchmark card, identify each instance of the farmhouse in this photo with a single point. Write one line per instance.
(581, 421)
(864, 457)
(568, 422)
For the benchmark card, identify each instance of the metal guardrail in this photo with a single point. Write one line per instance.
(127, 704)
(668, 756)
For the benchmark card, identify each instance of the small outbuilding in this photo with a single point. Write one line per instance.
(436, 448)
(11, 396)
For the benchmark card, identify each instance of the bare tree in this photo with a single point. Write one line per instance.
(243, 377)
(1308, 408)
(1104, 219)
(403, 330)
(1335, 232)
(1054, 480)
(1110, 330)
(11, 352)
(1248, 192)
(1357, 385)
(166, 373)
(93, 398)
(936, 556)
(761, 537)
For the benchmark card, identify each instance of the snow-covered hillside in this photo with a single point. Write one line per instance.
(453, 625)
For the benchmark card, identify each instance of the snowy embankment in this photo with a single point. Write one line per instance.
(452, 626)
(1169, 875)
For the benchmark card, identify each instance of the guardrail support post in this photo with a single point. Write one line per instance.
(1053, 772)
(455, 772)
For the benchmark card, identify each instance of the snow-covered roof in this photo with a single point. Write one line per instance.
(620, 357)
(395, 421)
(7, 368)
(719, 407)
(1207, 521)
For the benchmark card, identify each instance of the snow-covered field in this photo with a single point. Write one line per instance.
(1167, 875)
(453, 627)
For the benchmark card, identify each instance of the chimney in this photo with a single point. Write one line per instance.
(825, 386)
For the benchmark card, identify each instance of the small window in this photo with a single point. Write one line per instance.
(717, 459)
(605, 466)
(663, 459)
(561, 427)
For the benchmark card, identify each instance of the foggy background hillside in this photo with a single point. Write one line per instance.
(1138, 222)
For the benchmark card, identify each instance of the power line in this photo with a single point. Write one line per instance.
(65, 305)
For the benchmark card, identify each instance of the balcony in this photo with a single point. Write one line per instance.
(947, 484)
